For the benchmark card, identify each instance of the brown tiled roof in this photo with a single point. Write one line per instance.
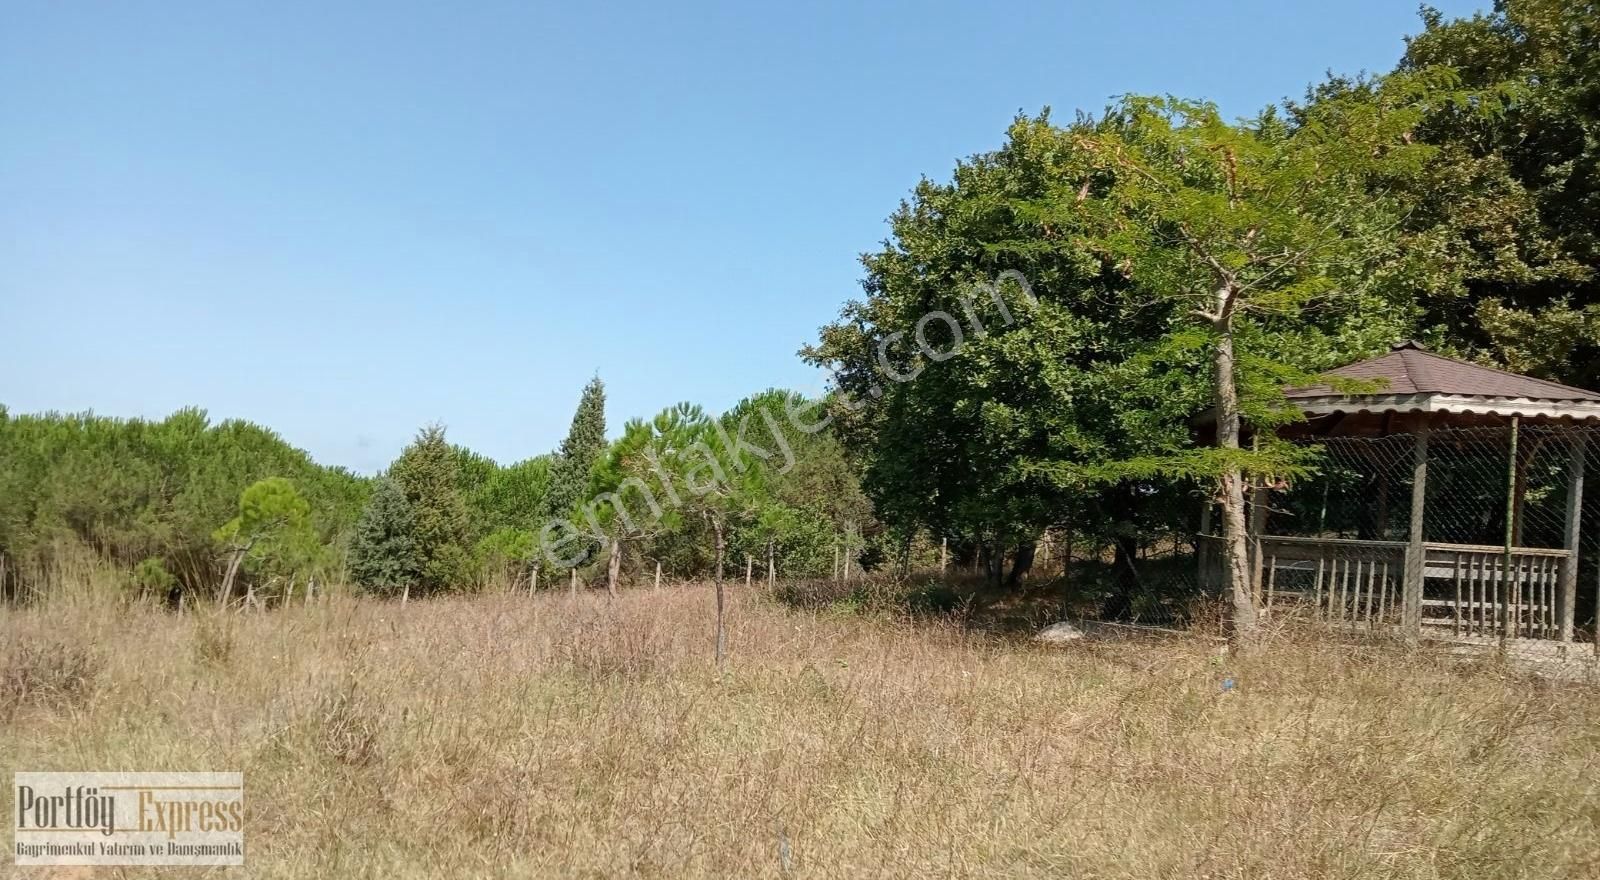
(1411, 369)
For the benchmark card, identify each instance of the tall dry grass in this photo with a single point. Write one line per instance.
(508, 736)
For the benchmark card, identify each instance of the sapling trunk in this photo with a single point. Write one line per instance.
(1235, 553)
(722, 546)
(613, 568)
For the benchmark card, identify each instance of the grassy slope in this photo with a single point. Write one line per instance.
(503, 735)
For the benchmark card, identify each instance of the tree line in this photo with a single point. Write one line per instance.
(231, 512)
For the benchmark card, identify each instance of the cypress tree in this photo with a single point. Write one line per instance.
(383, 550)
(586, 440)
(426, 472)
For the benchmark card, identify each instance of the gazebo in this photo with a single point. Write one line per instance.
(1493, 539)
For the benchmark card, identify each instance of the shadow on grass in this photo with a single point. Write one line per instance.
(1158, 598)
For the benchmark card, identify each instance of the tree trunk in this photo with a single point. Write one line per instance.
(749, 569)
(533, 581)
(1066, 556)
(1125, 574)
(233, 572)
(1021, 563)
(613, 568)
(1235, 552)
(772, 572)
(722, 546)
(572, 589)
(658, 576)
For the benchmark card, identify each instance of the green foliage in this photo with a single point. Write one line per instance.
(1520, 191)
(384, 557)
(152, 578)
(427, 472)
(500, 497)
(582, 448)
(1077, 272)
(273, 529)
(133, 490)
(505, 554)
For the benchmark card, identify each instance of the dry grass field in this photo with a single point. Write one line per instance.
(508, 736)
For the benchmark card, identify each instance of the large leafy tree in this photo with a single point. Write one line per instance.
(1521, 189)
(1261, 245)
(952, 434)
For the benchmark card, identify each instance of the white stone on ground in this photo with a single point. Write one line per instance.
(1059, 632)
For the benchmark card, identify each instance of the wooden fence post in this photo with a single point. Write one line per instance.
(1416, 559)
(1507, 619)
(1568, 589)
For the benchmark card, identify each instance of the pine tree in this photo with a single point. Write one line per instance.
(383, 550)
(585, 442)
(426, 472)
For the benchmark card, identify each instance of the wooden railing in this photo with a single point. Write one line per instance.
(1490, 596)
(1345, 581)
(1467, 588)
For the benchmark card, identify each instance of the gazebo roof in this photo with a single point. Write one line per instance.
(1417, 380)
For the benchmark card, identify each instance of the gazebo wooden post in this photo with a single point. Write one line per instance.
(1416, 551)
(1568, 587)
(1508, 597)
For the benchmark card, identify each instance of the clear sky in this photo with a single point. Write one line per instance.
(345, 220)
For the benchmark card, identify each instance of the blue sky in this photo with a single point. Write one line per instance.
(346, 220)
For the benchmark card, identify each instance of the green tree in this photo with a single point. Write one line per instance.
(1244, 236)
(503, 556)
(384, 556)
(132, 489)
(984, 348)
(272, 533)
(1517, 192)
(583, 446)
(426, 472)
